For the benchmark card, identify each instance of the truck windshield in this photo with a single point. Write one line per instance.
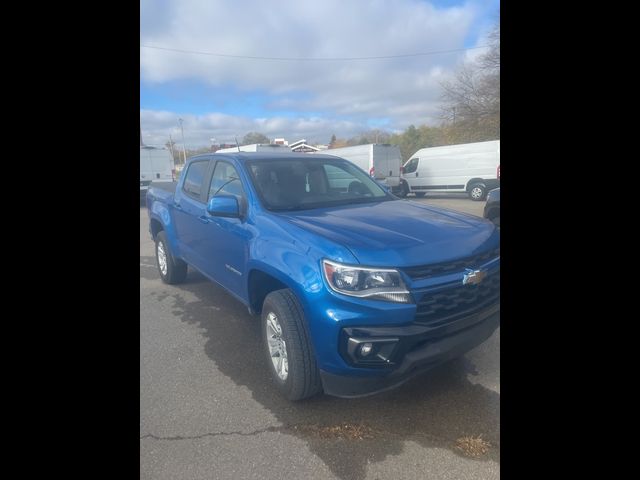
(297, 184)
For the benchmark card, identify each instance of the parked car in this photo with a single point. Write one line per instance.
(492, 207)
(473, 168)
(357, 290)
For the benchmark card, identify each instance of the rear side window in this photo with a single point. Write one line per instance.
(411, 166)
(193, 180)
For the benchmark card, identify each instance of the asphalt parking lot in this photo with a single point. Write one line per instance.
(207, 409)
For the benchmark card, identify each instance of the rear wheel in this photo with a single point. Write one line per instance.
(404, 190)
(477, 192)
(289, 352)
(172, 270)
(420, 194)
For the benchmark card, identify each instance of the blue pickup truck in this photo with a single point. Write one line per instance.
(357, 290)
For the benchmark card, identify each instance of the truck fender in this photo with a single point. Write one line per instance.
(159, 212)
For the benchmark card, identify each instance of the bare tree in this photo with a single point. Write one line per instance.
(471, 101)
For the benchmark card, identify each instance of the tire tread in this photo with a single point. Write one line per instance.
(308, 383)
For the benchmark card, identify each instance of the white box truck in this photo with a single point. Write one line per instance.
(381, 161)
(473, 168)
(258, 147)
(156, 163)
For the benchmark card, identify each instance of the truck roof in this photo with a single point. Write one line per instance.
(263, 156)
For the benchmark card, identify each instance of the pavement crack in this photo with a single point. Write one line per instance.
(212, 434)
(349, 432)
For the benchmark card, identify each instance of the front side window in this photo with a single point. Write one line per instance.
(411, 166)
(299, 184)
(195, 175)
(225, 181)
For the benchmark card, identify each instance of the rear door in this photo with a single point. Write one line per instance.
(145, 169)
(387, 161)
(190, 209)
(161, 165)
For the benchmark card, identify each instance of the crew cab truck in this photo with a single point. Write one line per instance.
(357, 290)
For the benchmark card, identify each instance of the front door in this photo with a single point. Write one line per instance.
(225, 241)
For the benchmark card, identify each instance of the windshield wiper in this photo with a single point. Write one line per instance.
(224, 185)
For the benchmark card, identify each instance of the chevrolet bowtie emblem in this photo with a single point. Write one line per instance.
(473, 277)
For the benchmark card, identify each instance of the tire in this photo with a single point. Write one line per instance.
(283, 320)
(404, 190)
(172, 270)
(496, 221)
(477, 192)
(420, 194)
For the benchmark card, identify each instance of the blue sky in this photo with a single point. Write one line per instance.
(223, 97)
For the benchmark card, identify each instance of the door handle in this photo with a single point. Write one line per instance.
(203, 219)
(416, 174)
(177, 206)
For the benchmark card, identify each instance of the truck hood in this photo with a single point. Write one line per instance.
(400, 233)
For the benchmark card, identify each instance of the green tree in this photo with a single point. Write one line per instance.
(254, 137)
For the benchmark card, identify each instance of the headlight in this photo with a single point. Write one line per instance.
(372, 283)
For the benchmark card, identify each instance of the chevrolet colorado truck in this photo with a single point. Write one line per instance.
(356, 289)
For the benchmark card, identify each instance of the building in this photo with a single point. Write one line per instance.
(301, 146)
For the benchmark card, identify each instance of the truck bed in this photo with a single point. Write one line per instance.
(162, 192)
(168, 186)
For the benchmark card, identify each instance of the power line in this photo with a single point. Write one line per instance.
(315, 59)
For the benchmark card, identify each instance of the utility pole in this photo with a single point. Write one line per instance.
(454, 115)
(184, 148)
(173, 155)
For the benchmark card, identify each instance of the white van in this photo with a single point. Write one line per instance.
(380, 160)
(473, 168)
(156, 163)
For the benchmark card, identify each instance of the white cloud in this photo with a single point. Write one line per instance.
(405, 90)
(199, 129)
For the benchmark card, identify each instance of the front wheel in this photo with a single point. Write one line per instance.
(288, 347)
(478, 192)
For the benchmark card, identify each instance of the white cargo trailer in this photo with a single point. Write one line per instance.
(258, 147)
(156, 163)
(381, 161)
(473, 168)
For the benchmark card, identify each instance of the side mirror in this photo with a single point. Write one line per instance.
(223, 206)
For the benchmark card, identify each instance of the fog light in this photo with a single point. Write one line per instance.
(368, 351)
(365, 349)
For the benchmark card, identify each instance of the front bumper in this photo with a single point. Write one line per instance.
(423, 348)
